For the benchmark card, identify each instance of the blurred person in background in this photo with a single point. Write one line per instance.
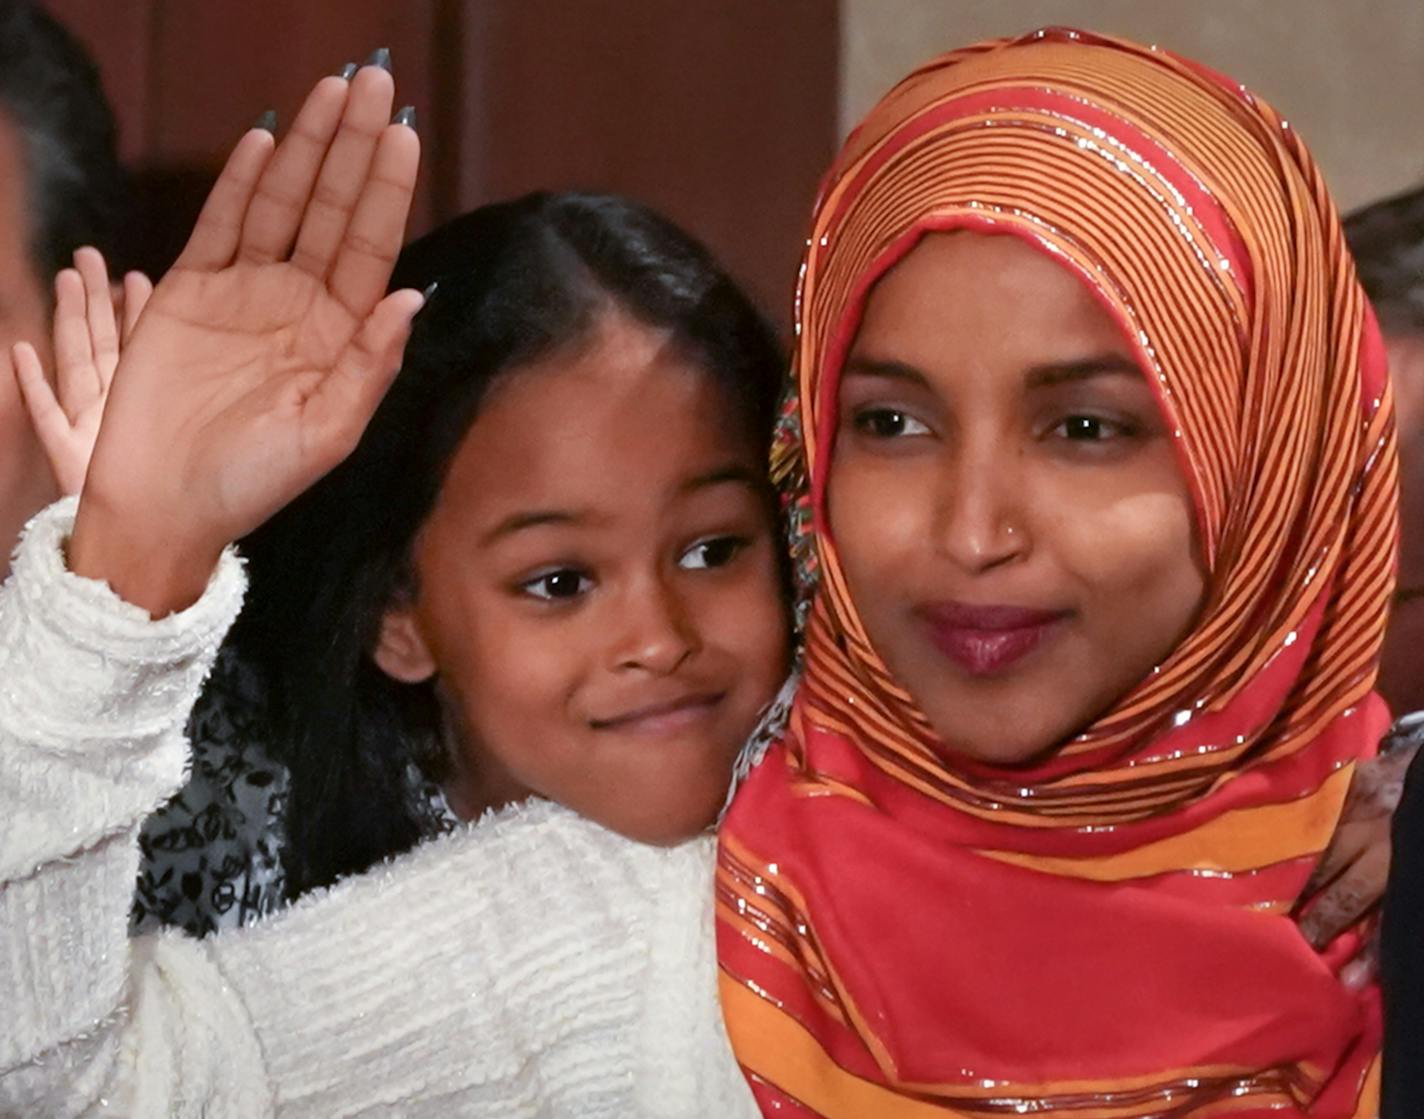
(1388, 241)
(61, 187)
(209, 858)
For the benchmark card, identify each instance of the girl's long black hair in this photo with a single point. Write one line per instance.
(514, 281)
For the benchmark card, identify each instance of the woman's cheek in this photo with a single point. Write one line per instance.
(1133, 548)
(881, 516)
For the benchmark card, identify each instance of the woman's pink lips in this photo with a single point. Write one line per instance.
(984, 640)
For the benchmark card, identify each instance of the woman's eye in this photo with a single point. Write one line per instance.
(888, 423)
(558, 586)
(716, 552)
(1089, 429)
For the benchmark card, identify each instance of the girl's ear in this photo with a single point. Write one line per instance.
(401, 652)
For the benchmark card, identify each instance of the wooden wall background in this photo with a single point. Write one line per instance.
(723, 115)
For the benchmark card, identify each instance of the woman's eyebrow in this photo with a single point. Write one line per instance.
(1081, 369)
(884, 367)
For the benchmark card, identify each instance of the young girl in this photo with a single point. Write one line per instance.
(446, 599)
(564, 553)
(369, 758)
(1099, 465)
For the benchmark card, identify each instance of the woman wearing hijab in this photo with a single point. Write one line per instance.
(1095, 461)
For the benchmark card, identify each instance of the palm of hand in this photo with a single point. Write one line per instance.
(258, 360)
(255, 342)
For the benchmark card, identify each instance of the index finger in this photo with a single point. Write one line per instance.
(214, 238)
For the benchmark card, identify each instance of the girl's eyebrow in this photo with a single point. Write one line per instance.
(542, 518)
(732, 472)
(534, 518)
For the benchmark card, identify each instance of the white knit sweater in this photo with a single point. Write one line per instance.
(533, 964)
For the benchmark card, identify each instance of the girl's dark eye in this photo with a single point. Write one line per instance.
(888, 423)
(715, 552)
(558, 586)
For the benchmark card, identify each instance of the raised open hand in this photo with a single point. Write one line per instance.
(86, 350)
(262, 354)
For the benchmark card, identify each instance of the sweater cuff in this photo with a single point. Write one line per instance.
(84, 658)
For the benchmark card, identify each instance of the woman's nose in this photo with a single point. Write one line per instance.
(979, 521)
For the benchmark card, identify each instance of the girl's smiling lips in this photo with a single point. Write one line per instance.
(665, 716)
(984, 640)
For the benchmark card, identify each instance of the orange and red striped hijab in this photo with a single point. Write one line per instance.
(902, 932)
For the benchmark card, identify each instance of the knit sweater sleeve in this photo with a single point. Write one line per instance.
(93, 698)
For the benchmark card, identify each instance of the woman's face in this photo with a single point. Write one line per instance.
(598, 589)
(1005, 498)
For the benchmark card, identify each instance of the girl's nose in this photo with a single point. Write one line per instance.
(656, 634)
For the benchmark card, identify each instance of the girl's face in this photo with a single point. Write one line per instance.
(598, 590)
(1005, 498)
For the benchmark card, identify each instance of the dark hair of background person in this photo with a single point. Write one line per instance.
(50, 92)
(1387, 241)
(516, 281)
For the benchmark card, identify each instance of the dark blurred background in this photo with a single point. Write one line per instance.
(723, 113)
(720, 114)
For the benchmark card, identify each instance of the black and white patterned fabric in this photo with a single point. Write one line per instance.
(211, 858)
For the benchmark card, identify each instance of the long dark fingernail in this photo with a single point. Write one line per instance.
(429, 291)
(381, 57)
(267, 121)
(406, 116)
(347, 71)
